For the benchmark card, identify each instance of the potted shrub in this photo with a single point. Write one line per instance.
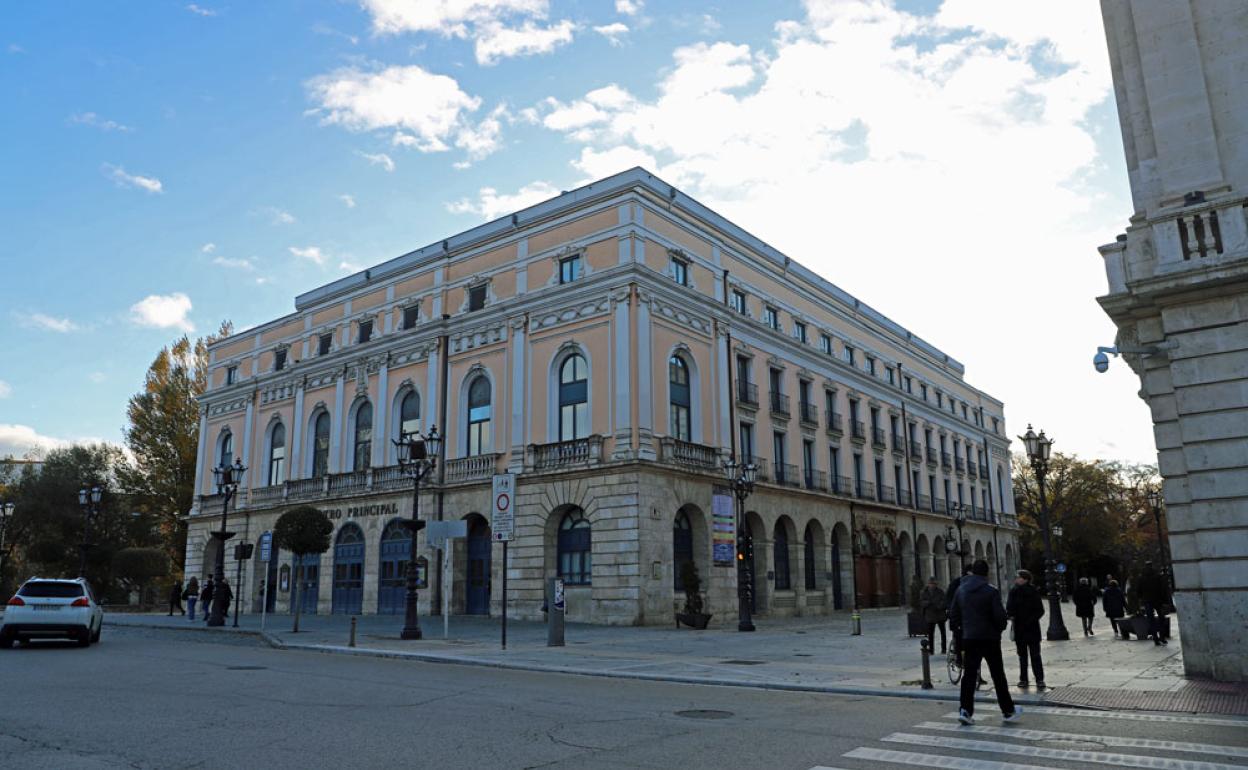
(914, 618)
(692, 614)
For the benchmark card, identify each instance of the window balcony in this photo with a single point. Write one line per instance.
(685, 454)
(809, 413)
(983, 470)
(761, 464)
(348, 483)
(747, 394)
(267, 495)
(938, 506)
(816, 480)
(886, 495)
(865, 490)
(924, 502)
(859, 430)
(788, 475)
(970, 470)
(946, 460)
(840, 485)
(779, 404)
(560, 455)
(877, 438)
(916, 452)
(959, 464)
(834, 423)
(474, 468)
(931, 455)
(899, 444)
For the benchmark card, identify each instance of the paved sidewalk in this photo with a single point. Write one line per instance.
(815, 654)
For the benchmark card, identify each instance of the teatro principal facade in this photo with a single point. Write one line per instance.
(612, 347)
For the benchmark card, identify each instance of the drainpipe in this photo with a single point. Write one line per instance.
(444, 345)
(905, 444)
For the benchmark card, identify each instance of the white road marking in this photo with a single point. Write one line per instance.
(936, 760)
(1066, 755)
(1025, 734)
(1134, 716)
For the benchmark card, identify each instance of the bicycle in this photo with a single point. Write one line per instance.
(953, 661)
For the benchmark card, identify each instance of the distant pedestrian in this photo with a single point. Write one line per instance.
(205, 596)
(1155, 595)
(950, 592)
(191, 595)
(1114, 603)
(978, 614)
(175, 598)
(935, 610)
(221, 598)
(1085, 605)
(1025, 608)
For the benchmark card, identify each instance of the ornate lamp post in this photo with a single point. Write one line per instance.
(6, 513)
(418, 457)
(227, 478)
(1155, 501)
(958, 512)
(741, 477)
(1038, 451)
(89, 499)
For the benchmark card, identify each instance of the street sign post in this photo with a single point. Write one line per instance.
(503, 526)
(266, 556)
(440, 533)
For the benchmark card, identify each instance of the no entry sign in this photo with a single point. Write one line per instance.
(503, 517)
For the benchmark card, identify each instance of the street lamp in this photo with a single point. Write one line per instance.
(741, 477)
(418, 456)
(89, 499)
(1155, 501)
(227, 478)
(6, 513)
(958, 512)
(1038, 450)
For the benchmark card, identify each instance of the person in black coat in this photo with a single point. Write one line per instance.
(979, 615)
(1085, 605)
(1155, 595)
(1025, 607)
(950, 592)
(205, 596)
(1114, 603)
(175, 599)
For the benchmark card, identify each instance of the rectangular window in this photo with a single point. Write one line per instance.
(476, 298)
(680, 271)
(570, 268)
(743, 370)
(849, 355)
(871, 365)
(777, 447)
(410, 314)
(909, 385)
(737, 301)
(771, 317)
(825, 344)
(799, 331)
(279, 359)
(366, 331)
(964, 417)
(231, 375)
(948, 499)
(747, 442)
(858, 475)
(890, 375)
(808, 463)
(996, 425)
(940, 400)
(923, 391)
(323, 344)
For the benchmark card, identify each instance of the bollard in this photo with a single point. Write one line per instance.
(857, 619)
(352, 642)
(554, 618)
(926, 648)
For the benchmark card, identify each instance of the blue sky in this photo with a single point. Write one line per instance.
(170, 165)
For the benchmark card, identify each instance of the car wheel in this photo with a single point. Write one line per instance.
(96, 636)
(84, 638)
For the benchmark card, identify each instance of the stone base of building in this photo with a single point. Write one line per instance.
(1213, 624)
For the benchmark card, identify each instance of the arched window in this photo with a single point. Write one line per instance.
(573, 398)
(782, 558)
(809, 556)
(682, 548)
(277, 455)
(678, 385)
(320, 445)
(573, 548)
(409, 413)
(479, 414)
(226, 455)
(363, 437)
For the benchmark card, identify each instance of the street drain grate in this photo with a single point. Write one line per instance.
(246, 668)
(743, 662)
(704, 714)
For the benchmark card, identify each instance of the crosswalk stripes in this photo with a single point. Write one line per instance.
(1024, 734)
(1134, 716)
(1064, 755)
(935, 760)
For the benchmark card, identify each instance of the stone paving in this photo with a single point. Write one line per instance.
(819, 654)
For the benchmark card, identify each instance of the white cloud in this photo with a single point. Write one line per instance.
(491, 205)
(310, 253)
(6, 389)
(494, 41)
(95, 121)
(629, 7)
(614, 33)
(200, 11)
(163, 311)
(97, 377)
(350, 267)
(208, 248)
(46, 322)
(596, 164)
(119, 175)
(347, 200)
(20, 440)
(234, 263)
(379, 159)
(279, 216)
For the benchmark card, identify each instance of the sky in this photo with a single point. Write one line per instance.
(165, 166)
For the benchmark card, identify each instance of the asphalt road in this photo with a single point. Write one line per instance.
(183, 699)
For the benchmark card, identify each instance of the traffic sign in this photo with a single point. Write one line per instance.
(503, 516)
(439, 532)
(266, 547)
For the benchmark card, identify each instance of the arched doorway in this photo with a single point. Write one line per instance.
(348, 591)
(396, 551)
(477, 596)
(308, 578)
(682, 548)
(842, 561)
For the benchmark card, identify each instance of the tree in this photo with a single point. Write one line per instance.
(163, 436)
(302, 530)
(139, 566)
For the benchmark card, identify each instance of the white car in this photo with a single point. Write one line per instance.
(46, 608)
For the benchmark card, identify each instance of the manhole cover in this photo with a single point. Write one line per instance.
(704, 714)
(246, 668)
(743, 662)
(1058, 743)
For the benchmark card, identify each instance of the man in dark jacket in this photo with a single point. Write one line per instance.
(950, 592)
(978, 613)
(1114, 603)
(1025, 607)
(935, 610)
(205, 596)
(1155, 595)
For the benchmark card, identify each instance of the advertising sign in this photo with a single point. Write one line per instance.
(723, 528)
(266, 547)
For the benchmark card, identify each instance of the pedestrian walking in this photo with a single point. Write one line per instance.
(205, 596)
(175, 598)
(1025, 607)
(191, 595)
(1155, 595)
(1114, 603)
(1085, 605)
(979, 616)
(221, 597)
(935, 609)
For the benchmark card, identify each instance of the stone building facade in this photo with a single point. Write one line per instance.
(612, 347)
(1178, 293)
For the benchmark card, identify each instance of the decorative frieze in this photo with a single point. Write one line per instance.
(588, 308)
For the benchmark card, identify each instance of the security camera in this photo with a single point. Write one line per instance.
(1101, 361)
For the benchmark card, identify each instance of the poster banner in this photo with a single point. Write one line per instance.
(723, 527)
